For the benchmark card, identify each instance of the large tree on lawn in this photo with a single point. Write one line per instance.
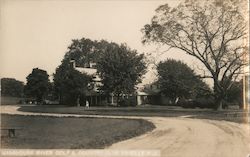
(70, 84)
(177, 80)
(37, 84)
(84, 51)
(211, 31)
(120, 69)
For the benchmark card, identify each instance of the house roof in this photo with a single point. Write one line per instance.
(88, 71)
(142, 93)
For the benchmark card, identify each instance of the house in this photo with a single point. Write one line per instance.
(154, 95)
(142, 98)
(93, 95)
(96, 96)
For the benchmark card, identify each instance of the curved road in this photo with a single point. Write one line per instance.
(180, 137)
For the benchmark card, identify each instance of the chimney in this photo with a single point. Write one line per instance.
(73, 63)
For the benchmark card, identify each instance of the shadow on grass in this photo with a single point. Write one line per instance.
(45, 132)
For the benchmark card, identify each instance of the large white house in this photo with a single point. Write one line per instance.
(94, 95)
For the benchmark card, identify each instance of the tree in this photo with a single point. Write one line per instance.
(37, 84)
(81, 51)
(235, 93)
(70, 84)
(177, 80)
(211, 31)
(84, 51)
(120, 69)
(11, 87)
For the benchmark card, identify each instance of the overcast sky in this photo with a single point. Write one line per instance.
(36, 33)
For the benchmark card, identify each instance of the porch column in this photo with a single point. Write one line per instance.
(112, 98)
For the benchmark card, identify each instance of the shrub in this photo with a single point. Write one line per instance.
(131, 101)
(197, 103)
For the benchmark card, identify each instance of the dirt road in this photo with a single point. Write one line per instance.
(181, 137)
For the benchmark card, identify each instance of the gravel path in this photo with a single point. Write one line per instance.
(179, 137)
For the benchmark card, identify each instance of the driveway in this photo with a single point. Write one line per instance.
(179, 136)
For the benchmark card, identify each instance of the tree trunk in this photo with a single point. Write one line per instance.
(218, 96)
(219, 104)
(176, 100)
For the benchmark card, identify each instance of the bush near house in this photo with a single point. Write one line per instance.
(197, 103)
(130, 101)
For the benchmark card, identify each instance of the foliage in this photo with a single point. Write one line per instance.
(211, 31)
(84, 51)
(235, 93)
(11, 87)
(129, 101)
(202, 102)
(120, 69)
(37, 84)
(70, 83)
(177, 80)
(201, 89)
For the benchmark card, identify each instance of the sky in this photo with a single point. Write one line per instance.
(36, 33)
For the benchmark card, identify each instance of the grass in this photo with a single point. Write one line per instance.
(44, 132)
(163, 111)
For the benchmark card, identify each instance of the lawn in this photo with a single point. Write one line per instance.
(44, 132)
(162, 111)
